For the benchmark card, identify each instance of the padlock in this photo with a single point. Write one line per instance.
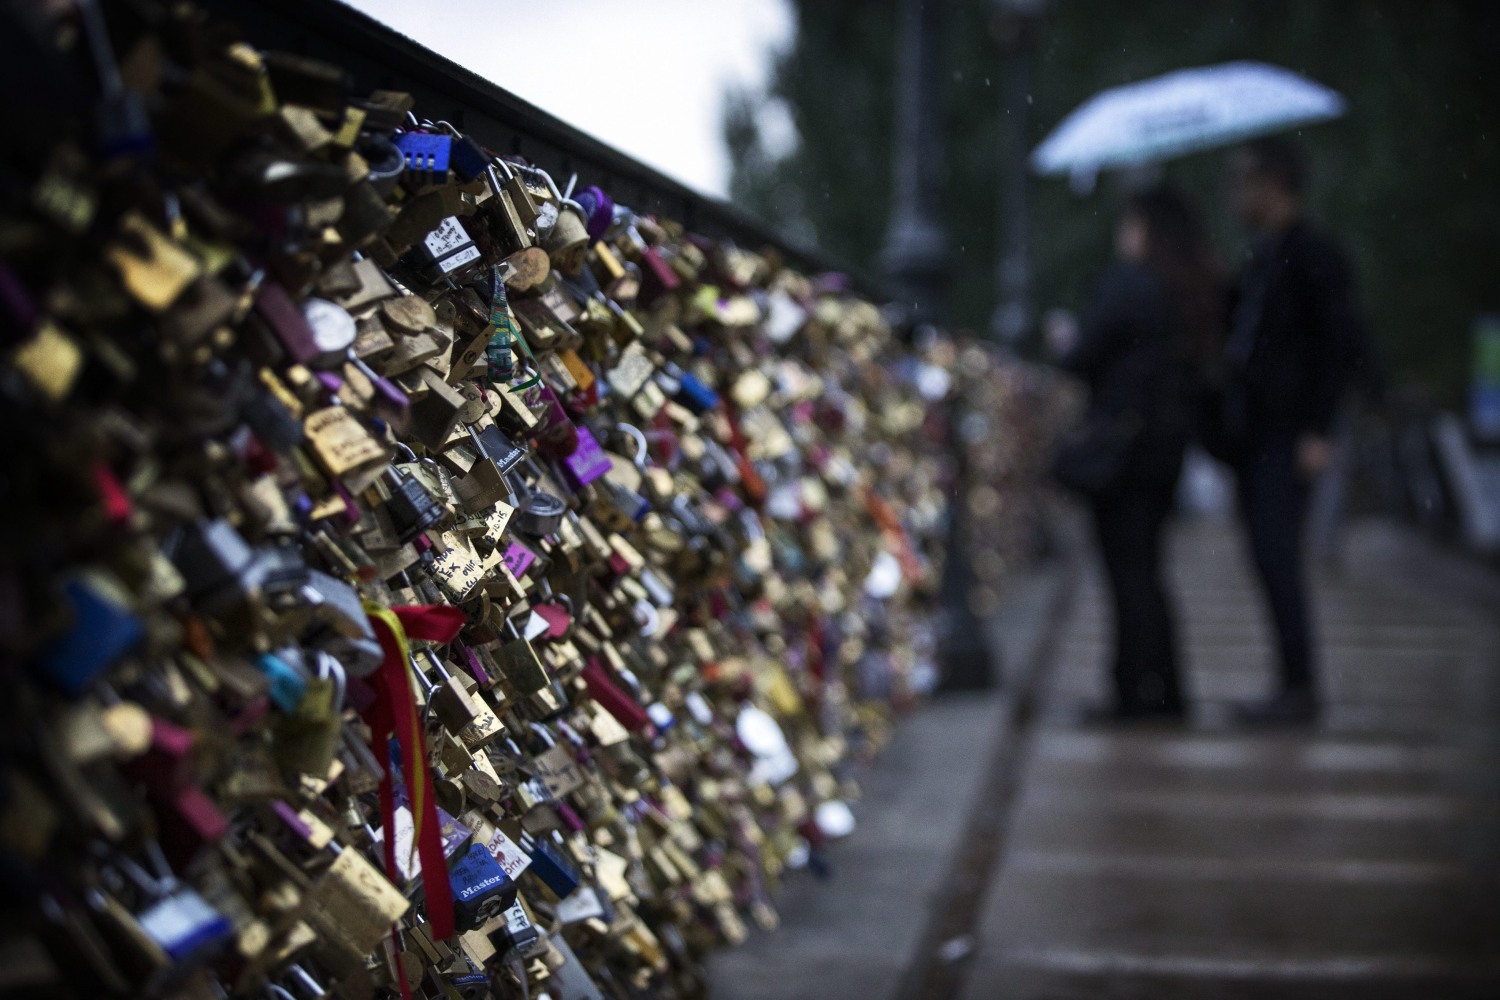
(450, 700)
(566, 240)
(445, 252)
(215, 563)
(537, 513)
(436, 414)
(515, 211)
(346, 633)
(556, 767)
(307, 739)
(426, 155)
(176, 918)
(100, 632)
(411, 508)
(519, 664)
(517, 935)
(481, 889)
(551, 866)
(485, 484)
(352, 905)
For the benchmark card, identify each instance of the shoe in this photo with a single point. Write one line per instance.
(1118, 713)
(1292, 707)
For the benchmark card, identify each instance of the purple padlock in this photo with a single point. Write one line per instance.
(518, 559)
(588, 461)
(598, 209)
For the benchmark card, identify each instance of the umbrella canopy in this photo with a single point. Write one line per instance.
(1182, 112)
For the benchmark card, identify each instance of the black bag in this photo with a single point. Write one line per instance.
(1090, 458)
(1211, 423)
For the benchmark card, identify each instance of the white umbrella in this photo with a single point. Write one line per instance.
(1182, 112)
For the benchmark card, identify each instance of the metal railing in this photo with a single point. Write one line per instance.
(378, 57)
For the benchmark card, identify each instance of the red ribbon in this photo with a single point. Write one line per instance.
(395, 711)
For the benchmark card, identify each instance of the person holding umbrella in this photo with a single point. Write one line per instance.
(1294, 338)
(1292, 342)
(1143, 334)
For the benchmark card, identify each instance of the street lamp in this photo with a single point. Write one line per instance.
(1015, 26)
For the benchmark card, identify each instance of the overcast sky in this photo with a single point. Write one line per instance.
(646, 77)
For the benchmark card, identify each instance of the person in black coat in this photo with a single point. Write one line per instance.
(1293, 340)
(1148, 316)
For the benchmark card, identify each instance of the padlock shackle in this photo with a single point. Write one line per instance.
(427, 686)
(484, 453)
(302, 976)
(331, 668)
(641, 446)
(437, 664)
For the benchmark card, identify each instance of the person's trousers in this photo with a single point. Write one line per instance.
(1273, 505)
(1129, 522)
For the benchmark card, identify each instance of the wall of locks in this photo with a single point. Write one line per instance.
(423, 576)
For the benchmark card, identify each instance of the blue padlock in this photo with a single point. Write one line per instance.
(185, 926)
(695, 395)
(467, 158)
(102, 632)
(288, 687)
(481, 889)
(556, 872)
(425, 152)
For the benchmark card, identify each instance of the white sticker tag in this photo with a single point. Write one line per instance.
(447, 237)
(459, 259)
(536, 627)
(513, 861)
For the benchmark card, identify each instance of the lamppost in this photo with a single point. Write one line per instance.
(915, 260)
(915, 254)
(1015, 25)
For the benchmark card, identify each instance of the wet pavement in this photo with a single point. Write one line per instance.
(1357, 859)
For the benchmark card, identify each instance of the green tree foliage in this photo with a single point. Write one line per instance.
(1408, 179)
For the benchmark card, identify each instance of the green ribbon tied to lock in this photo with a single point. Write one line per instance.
(506, 332)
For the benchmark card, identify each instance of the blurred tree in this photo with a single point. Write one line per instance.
(1406, 179)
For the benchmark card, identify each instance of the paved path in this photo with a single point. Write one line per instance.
(1357, 860)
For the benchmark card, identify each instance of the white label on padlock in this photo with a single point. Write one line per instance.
(512, 860)
(516, 920)
(458, 260)
(536, 626)
(446, 238)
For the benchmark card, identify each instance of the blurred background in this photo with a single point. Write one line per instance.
(787, 107)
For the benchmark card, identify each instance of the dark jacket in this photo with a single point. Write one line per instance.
(1129, 353)
(1295, 339)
